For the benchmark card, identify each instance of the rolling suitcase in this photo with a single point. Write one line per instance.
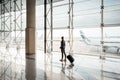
(70, 58)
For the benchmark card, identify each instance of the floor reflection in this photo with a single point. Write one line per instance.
(30, 67)
(63, 67)
(14, 65)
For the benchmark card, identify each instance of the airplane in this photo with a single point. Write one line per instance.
(97, 42)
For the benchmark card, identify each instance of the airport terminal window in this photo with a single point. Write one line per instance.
(112, 40)
(85, 18)
(60, 16)
(111, 12)
(111, 27)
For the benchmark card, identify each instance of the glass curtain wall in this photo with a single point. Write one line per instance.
(111, 33)
(12, 38)
(95, 26)
(12, 24)
(85, 24)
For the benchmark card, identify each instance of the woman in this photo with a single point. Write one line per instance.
(62, 47)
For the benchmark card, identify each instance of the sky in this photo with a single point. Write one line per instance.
(86, 13)
(87, 17)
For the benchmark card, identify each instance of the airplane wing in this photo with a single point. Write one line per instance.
(88, 41)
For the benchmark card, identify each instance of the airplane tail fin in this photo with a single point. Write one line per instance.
(84, 38)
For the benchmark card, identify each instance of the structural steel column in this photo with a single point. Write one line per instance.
(70, 26)
(45, 24)
(30, 30)
(102, 25)
(51, 6)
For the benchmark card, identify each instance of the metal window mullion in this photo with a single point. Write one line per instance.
(7, 17)
(7, 20)
(69, 21)
(45, 25)
(102, 22)
(51, 5)
(48, 33)
(15, 19)
(49, 25)
(17, 25)
(102, 25)
(6, 8)
(48, 21)
(48, 11)
(17, 7)
(71, 13)
(6, 36)
(21, 18)
(10, 20)
(1, 24)
(4, 22)
(6, 27)
(70, 27)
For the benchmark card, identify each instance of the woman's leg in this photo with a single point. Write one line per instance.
(64, 54)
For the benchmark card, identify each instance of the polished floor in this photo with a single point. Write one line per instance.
(14, 65)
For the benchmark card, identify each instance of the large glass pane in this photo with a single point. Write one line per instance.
(111, 46)
(111, 12)
(110, 31)
(87, 41)
(86, 16)
(86, 23)
(60, 14)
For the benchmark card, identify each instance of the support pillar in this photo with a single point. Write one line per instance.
(30, 30)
